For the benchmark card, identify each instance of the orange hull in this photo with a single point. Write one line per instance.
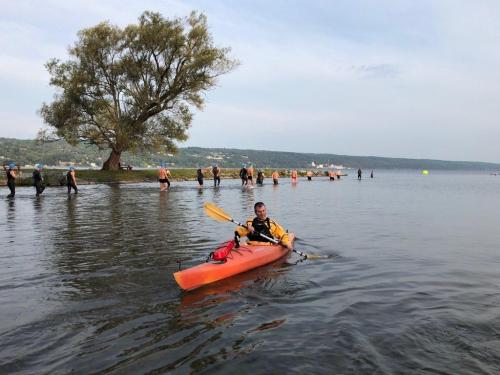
(243, 259)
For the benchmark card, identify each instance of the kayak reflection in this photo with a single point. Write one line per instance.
(226, 289)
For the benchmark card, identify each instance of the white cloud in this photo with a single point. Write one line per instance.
(16, 69)
(19, 125)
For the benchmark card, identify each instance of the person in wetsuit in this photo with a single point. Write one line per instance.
(260, 178)
(71, 180)
(264, 225)
(371, 174)
(199, 176)
(216, 173)
(38, 182)
(244, 175)
(359, 173)
(10, 171)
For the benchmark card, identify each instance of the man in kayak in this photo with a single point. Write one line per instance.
(264, 225)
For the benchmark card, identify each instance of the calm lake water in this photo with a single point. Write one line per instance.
(411, 284)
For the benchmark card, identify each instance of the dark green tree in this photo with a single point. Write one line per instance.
(134, 88)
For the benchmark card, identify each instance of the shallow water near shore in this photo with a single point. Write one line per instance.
(410, 285)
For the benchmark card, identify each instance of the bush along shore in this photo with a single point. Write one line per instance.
(57, 177)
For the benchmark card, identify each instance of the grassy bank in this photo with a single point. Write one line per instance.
(56, 177)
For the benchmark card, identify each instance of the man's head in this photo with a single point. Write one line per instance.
(260, 210)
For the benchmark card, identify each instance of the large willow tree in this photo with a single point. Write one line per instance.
(133, 88)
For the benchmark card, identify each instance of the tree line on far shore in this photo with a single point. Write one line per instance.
(60, 153)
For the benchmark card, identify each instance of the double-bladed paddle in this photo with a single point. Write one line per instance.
(219, 214)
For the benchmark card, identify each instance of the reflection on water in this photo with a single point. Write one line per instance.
(411, 284)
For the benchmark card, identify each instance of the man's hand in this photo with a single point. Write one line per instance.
(250, 228)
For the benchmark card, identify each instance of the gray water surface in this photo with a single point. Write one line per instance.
(411, 283)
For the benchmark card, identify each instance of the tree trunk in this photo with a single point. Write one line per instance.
(112, 164)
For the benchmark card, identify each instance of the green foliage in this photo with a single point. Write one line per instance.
(132, 88)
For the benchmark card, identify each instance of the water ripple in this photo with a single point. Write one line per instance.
(410, 284)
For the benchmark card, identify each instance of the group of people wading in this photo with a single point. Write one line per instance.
(12, 171)
(246, 174)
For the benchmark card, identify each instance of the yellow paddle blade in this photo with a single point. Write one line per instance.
(311, 256)
(216, 212)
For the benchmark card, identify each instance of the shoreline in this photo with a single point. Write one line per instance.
(56, 177)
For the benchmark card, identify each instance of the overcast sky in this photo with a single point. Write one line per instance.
(417, 79)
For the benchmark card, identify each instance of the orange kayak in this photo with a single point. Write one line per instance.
(240, 260)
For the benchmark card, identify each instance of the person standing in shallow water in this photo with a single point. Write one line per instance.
(216, 173)
(371, 174)
(38, 182)
(331, 174)
(163, 178)
(199, 176)
(250, 174)
(359, 174)
(10, 171)
(71, 180)
(244, 175)
(275, 176)
(260, 178)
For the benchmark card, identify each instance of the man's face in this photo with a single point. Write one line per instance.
(261, 212)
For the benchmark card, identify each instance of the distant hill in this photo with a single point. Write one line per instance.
(60, 153)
